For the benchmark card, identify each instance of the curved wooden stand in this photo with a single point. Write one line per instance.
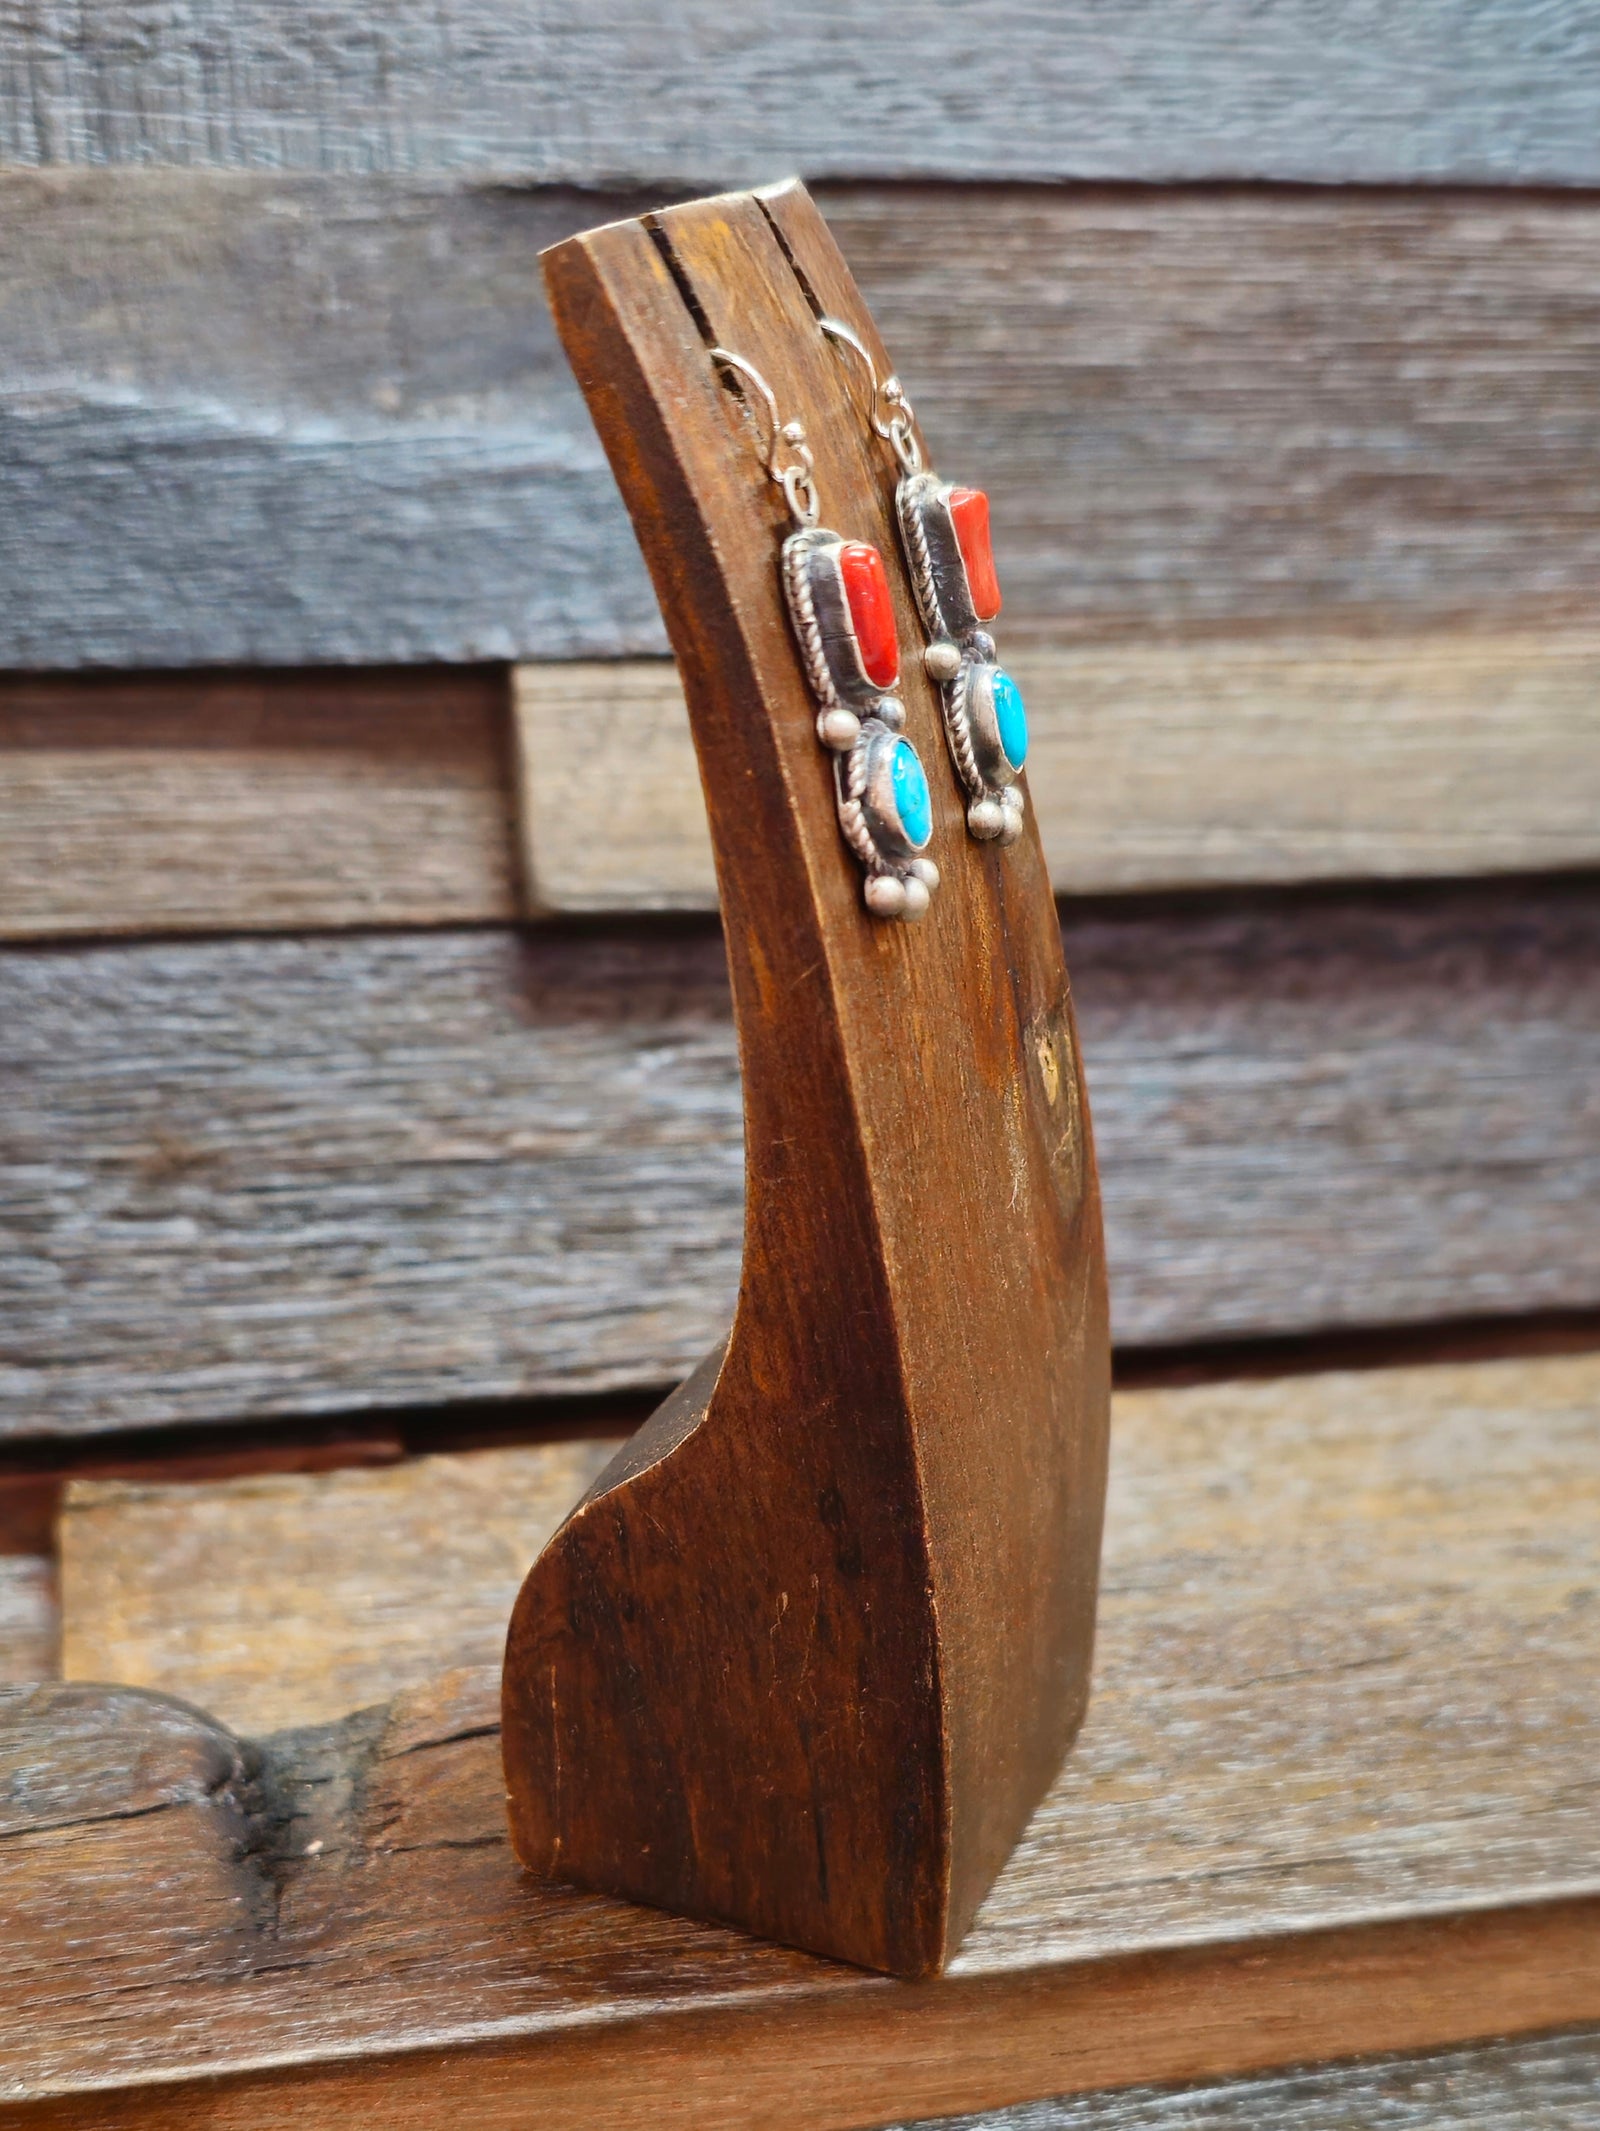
(810, 1651)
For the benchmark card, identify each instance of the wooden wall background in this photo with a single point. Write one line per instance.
(344, 1091)
(1296, 490)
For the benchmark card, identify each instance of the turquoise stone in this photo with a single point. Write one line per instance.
(911, 798)
(1011, 719)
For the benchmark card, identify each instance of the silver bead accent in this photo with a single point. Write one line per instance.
(942, 660)
(839, 729)
(917, 897)
(890, 711)
(885, 896)
(982, 645)
(986, 818)
(926, 871)
(1011, 825)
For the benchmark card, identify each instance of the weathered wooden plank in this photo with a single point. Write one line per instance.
(331, 422)
(992, 90)
(417, 1136)
(1248, 1557)
(1552, 2084)
(275, 800)
(266, 421)
(29, 1619)
(366, 1582)
(279, 1176)
(1149, 766)
(30, 1613)
(118, 1762)
(808, 2062)
(1334, 1796)
(220, 803)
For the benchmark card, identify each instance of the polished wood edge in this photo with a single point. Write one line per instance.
(834, 2060)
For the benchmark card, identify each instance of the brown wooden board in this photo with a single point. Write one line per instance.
(263, 418)
(371, 1581)
(992, 89)
(29, 1618)
(276, 1177)
(1334, 1797)
(1149, 765)
(1552, 2084)
(261, 801)
(275, 800)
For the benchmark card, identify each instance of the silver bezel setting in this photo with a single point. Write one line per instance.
(835, 666)
(938, 571)
(878, 800)
(976, 684)
(899, 881)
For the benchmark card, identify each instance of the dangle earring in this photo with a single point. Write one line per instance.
(945, 533)
(843, 617)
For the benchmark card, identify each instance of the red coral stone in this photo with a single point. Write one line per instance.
(969, 514)
(866, 588)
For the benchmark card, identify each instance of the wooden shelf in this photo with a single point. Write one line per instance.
(1335, 1797)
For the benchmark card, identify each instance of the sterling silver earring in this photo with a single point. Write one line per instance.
(944, 531)
(837, 592)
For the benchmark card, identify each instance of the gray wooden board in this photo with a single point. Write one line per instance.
(276, 422)
(291, 798)
(1303, 89)
(1551, 2084)
(277, 419)
(278, 1176)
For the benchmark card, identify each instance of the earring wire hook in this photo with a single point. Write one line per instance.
(895, 427)
(795, 478)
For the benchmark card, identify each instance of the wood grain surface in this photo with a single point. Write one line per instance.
(993, 89)
(370, 1581)
(29, 1619)
(1149, 765)
(331, 423)
(1552, 2084)
(809, 2061)
(1334, 1797)
(272, 422)
(892, 1470)
(234, 802)
(278, 1176)
(277, 800)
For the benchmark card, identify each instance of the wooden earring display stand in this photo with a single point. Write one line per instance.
(809, 1652)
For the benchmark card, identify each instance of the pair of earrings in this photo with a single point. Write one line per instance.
(837, 592)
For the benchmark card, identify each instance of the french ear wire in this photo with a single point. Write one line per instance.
(944, 533)
(788, 456)
(837, 594)
(889, 412)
